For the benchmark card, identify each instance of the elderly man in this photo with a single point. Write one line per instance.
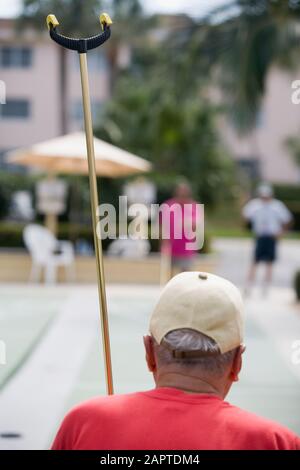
(269, 218)
(194, 352)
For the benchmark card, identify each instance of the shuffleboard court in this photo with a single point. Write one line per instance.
(266, 387)
(25, 314)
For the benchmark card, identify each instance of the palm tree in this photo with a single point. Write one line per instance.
(293, 146)
(237, 44)
(253, 36)
(130, 26)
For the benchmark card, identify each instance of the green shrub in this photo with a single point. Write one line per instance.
(11, 236)
(10, 183)
(290, 195)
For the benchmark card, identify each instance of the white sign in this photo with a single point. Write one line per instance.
(51, 196)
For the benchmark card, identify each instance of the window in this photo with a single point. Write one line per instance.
(15, 109)
(2, 156)
(260, 119)
(3, 163)
(249, 167)
(11, 56)
(12, 168)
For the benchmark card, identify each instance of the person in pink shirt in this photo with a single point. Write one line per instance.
(180, 219)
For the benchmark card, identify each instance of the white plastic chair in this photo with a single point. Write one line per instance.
(129, 248)
(48, 253)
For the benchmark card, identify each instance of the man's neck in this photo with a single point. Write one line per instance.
(183, 201)
(188, 383)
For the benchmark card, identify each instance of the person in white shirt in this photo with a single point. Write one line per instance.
(269, 218)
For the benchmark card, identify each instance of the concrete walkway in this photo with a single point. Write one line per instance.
(235, 255)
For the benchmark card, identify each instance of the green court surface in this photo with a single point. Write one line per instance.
(267, 387)
(25, 314)
(128, 323)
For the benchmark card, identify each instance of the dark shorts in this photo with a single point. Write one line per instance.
(265, 249)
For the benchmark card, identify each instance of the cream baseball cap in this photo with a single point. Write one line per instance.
(203, 302)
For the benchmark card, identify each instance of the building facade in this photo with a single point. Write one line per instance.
(30, 73)
(263, 153)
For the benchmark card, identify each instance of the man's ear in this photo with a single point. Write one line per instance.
(149, 349)
(237, 363)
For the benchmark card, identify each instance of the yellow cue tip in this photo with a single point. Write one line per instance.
(105, 19)
(51, 20)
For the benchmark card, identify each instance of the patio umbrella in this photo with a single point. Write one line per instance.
(67, 155)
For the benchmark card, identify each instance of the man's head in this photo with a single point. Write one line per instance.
(196, 334)
(265, 192)
(183, 190)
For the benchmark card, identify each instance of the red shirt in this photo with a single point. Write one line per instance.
(168, 419)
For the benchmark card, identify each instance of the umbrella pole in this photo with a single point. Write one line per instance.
(165, 265)
(82, 46)
(94, 207)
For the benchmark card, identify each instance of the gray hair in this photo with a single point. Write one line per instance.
(186, 339)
